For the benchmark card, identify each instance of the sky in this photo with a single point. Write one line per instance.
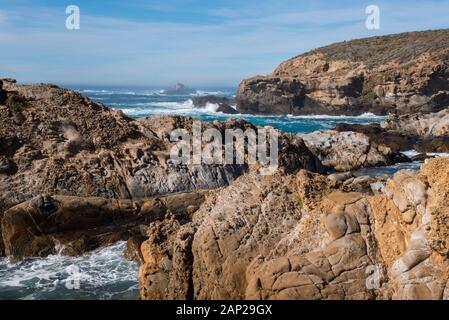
(196, 42)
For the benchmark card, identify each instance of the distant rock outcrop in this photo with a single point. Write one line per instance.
(403, 73)
(179, 89)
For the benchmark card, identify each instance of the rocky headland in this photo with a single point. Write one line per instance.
(401, 74)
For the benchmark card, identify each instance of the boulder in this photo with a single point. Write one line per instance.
(226, 109)
(261, 95)
(62, 143)
(347, 151)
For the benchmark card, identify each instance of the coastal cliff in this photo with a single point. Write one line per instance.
(403, 73)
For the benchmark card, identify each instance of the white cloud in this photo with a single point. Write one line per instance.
(106, 50)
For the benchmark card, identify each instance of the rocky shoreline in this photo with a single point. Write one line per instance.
(76, 175)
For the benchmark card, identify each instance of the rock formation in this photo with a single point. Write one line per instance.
(300, 237)
(224, 104)
(423, 132)
(403, 73)
(347, 151)
(76, 175)
(56, 143)
(179, 89)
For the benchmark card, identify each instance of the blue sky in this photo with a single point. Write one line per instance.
(197, 42)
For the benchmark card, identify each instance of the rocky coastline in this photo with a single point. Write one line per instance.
(76, 175)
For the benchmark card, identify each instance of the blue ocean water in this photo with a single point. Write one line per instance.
(141, 102)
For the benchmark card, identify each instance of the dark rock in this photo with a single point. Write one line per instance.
(7, 166)
(270, 96)
(202, 101)
(2, 93)
(227, 109)
(73, 225)
(422, 157)
(432, 144)
(132, 250)
(222, 102)
(44, 204)
(9, 80)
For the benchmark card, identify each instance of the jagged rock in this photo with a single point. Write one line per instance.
(227, 109)
(419, 124)
(403, 73)
(346, 151)
(9, 80)
(224, 104)
(272, 238)
(69, 145)
(421, 157)
(261, 95)
(204, 100)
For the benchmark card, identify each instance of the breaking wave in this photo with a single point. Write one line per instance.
(102, 274)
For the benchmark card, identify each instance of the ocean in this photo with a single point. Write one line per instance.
(142, 102)
(105, 273)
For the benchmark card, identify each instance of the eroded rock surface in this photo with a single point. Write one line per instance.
(55, 142)
(346, 151)
(301, 237)
(423, 132)
(73, 225)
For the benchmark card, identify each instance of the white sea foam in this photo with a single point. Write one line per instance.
(367, 115)
(121, 92)
(412, 153)
(47, 277)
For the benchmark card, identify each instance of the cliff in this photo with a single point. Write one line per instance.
(403, 73)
